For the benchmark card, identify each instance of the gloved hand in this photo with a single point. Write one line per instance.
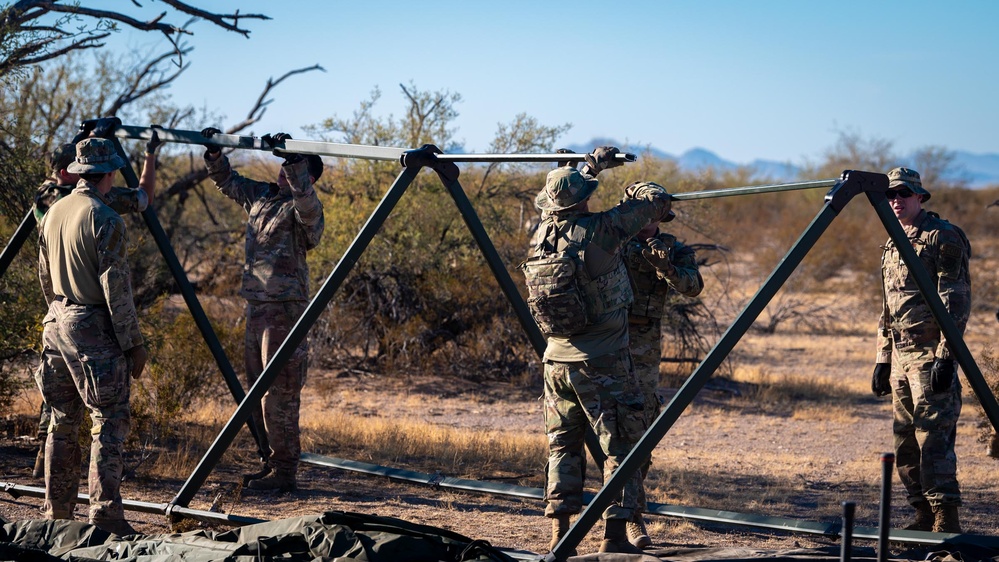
(657, 253)
(880, 384)
(208, 133)
(997, 316)
(646, 191)
(137, 357)
(942, 374)
(273, 140)
(563, 163)
(600, 159)
(154, 141)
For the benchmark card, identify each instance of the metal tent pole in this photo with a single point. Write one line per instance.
(17, 240)
(751, 190)
(336, 149)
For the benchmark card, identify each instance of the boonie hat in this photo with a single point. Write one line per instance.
(62, 156)
(564, 187)
(904, 177)
(95, 156)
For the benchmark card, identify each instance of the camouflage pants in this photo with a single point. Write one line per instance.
(81, 368)
(267, 326)
(601, 393)
(44, 419)
(646, 352)
(925, 427)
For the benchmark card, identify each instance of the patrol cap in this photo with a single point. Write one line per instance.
(564, 187)
(905, 177)
(62, 156)
(95, 156)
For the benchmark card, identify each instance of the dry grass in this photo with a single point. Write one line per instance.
(466, 452)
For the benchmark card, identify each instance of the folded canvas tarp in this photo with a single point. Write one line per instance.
(331, 536)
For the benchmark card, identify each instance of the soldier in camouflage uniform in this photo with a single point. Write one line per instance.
(122, 199)
(285, 220)
(914, 361)
(589, 377)
(658, 265)
(91, 343)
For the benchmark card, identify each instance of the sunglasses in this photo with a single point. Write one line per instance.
(904, 193)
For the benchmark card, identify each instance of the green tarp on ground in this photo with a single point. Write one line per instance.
(343, 536)
(331, 536)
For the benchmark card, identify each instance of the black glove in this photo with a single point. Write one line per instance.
(563, 163)
(941, 374)
(273, 140)
(997, 316)
(208, 133)
(154, 141)
(600, 159)
(656, 253)
(880, 383)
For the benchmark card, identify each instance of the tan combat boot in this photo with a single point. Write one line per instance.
(281, 481)
(924, 517)
(560, 526)
(616, 538)
(638, 535)
(946, 520)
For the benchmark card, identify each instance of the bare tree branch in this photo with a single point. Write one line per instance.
(23, 44)
(138, 87)
(217, 19)
(260, 107)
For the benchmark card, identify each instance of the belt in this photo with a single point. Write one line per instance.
(63, 299)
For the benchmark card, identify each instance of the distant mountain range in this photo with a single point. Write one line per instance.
(976, 170)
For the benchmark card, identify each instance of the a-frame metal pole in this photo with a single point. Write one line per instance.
(193, 304)
(296, 336)
(16, 241)
(850, 184)
(448, 173)
(955, 339)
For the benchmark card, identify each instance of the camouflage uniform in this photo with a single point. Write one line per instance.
(925, 422)
(91, 322)
(121, 199)
(652, 287)
(589, 377)
(282, 225)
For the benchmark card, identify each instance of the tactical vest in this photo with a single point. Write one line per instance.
(650, 291)
(562, 297)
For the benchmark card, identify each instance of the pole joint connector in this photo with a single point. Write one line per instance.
(426, 156)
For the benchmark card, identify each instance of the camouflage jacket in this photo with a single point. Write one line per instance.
(82, 256)
(121, 199)
(650, 285)
(906, 319)
(282, 225)
(611, 230)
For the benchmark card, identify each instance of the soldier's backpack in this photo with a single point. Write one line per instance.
(561, 296)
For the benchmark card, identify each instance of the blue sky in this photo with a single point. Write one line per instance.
(773, 79)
